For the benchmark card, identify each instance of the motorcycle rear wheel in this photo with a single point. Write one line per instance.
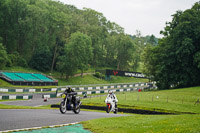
(63, 108)
(116, 110)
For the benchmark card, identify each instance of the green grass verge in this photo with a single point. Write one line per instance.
(171, 101)
(145, 124)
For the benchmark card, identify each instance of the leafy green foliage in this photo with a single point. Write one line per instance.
(3, 56)
(15, 59)
(78, 53)
(99, 75)
(39, 34)
(175, 61)
(41, 59)
(125, 52)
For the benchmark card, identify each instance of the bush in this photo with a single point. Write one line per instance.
(15, 59)
(22, 62)
(99, 75)
(41, 59)
(3, 56)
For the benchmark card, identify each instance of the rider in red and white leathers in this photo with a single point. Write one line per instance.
(113, 97)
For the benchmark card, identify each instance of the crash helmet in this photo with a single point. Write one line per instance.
(68, 88)
(110, 91)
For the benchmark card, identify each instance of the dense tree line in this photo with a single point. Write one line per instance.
(49, 35)
(175, 62)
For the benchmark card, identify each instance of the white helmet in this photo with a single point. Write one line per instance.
(110, 91)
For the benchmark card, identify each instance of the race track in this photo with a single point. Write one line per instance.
(11, 119)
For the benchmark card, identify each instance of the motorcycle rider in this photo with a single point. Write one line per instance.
(113, 97)
(70, 101)
(70, 91)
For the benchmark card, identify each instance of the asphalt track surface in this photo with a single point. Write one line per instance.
(11, 119)
(35, 102)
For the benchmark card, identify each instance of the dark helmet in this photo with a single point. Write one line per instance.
(68, 88)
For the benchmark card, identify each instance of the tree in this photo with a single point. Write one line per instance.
(152, 40)
(30, 28)
(41, 60)
(78, 53)
(81, 47)
(3, 56)
(125, 51)
(96, 28)
(111, 51)
(15, 59)
(176, 58)
(65, 65)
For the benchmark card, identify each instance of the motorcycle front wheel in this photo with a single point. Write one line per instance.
(76, 110)
(108, 107)
(63, 108)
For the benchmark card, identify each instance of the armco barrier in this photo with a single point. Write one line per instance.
(9, 97)
(27, 90)
(93, 92)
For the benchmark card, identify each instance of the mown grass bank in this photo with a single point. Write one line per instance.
(145, 124)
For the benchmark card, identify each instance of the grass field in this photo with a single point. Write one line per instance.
(177, 100)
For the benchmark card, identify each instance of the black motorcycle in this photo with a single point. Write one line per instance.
(70, 102)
